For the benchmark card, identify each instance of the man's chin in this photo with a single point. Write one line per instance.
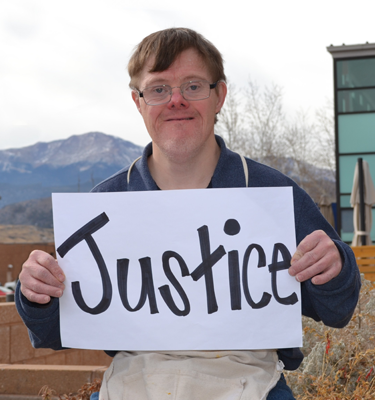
(179, 147)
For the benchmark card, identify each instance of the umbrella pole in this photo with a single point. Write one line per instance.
(361, 201)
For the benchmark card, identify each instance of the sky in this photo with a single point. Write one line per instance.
(63, 63)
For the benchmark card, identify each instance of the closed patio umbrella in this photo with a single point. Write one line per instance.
(363, 193)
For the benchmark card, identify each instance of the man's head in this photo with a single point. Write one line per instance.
(166, 45)
(178, 86)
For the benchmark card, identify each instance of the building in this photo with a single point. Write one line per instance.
(354, 92)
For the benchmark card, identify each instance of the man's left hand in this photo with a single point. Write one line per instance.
(317, 258)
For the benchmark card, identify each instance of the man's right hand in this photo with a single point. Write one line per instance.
(41, 278)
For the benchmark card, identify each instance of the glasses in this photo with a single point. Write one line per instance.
(162, 94)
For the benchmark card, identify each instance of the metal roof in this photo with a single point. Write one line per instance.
(352, 50)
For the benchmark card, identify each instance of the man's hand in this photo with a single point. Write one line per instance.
(41, 278)
(316, 257)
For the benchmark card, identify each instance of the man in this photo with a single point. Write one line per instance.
(178, 86)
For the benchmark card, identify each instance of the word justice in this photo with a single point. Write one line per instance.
(204, 269)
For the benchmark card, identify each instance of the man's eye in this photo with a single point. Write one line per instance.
(194, 87)
(159, 90)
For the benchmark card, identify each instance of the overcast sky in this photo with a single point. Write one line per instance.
(63, 63)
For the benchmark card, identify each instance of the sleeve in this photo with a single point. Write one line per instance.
(42, 321)
(334, 302)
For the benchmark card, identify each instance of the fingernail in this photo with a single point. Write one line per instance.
(59, 293)
(297, 279)
(61, 278)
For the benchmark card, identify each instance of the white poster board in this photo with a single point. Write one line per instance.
(178, 270)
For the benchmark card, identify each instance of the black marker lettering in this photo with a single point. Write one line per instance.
(205, 268)
(234, 280)
(166, 292)
(266, 297)
(232, 228)
(279, 266)
(147, 284)
(85, 233)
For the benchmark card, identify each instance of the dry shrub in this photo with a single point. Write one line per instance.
(83, 393)
(339, 364)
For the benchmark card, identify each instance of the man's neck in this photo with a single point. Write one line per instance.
(193, 172)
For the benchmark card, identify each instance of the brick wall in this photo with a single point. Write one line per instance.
(24, 382)
(25, 370)
(16, 254)
(15, 346)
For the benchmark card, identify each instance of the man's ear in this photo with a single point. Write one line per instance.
(221, 91)
(135, 97)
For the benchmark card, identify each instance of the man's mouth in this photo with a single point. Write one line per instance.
(180, 119)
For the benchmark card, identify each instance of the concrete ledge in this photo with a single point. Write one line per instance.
(27, 380)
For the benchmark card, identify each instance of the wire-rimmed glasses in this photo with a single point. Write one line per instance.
(162, 94)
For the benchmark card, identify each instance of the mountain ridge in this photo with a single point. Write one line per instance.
(74, 164)
(29, 175)
(93, 147)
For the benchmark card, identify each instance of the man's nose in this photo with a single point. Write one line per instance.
(177, 99)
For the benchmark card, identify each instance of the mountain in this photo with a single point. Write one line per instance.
(30, 174)
(75, 164)
(318, 182)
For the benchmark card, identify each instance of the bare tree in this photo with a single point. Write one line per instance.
(254, 123)
(231, 120)
(326, 132)
(300, 146)
(264, 119)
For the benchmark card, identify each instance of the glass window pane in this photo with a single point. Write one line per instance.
(347, 165)
(356, 133)
(355, 73)
(345, 201)
(347, 231)
(356, 100)
(347, 225)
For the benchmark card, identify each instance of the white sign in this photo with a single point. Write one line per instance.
(178, 270)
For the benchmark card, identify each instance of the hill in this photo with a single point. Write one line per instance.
(37, 212)
(25, 234)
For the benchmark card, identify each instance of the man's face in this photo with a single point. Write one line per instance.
(180, 129)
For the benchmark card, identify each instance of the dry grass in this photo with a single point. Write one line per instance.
(25, 234)
(83, 394)
(339, 363)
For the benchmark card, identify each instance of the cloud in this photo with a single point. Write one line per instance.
(63, 68)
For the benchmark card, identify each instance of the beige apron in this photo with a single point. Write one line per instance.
(192, 375)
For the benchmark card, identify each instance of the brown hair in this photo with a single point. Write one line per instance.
(167, 45)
